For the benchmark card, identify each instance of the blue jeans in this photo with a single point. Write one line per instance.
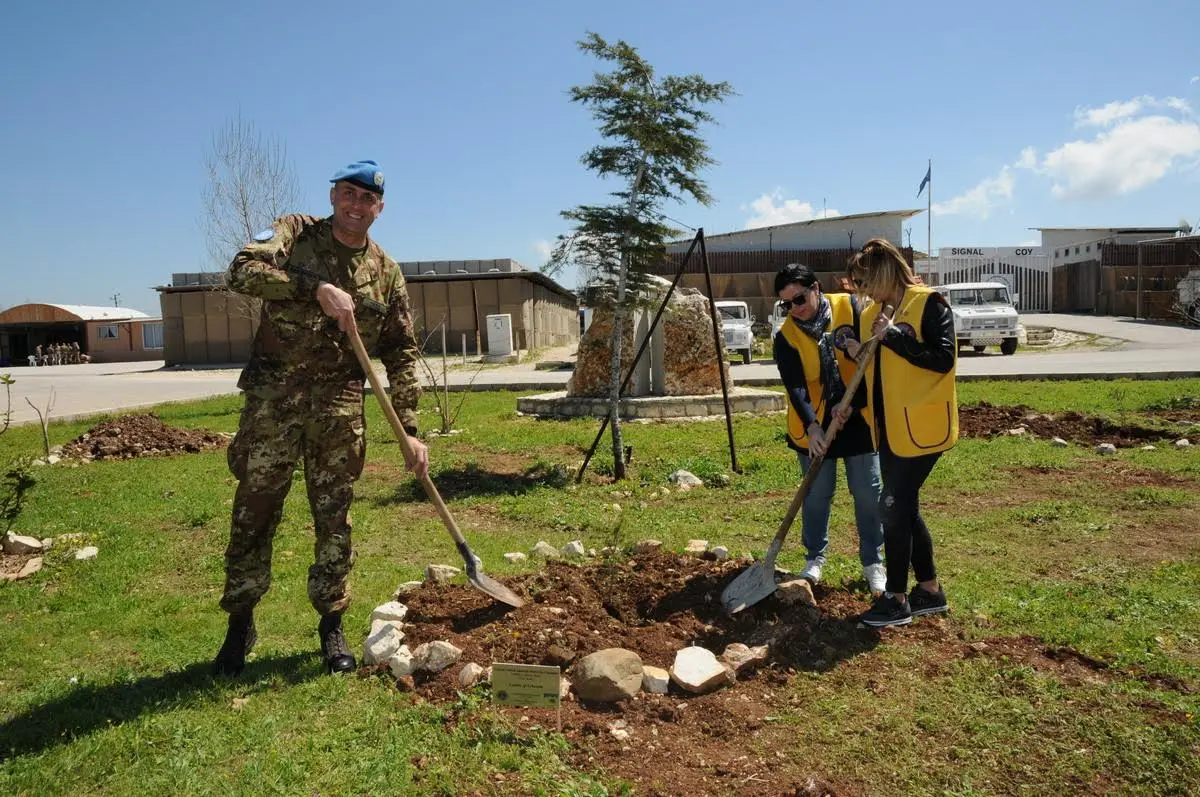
(862, 474)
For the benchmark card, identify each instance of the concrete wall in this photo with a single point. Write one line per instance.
(125, 347)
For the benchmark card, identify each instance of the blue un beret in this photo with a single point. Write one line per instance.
(364, 174)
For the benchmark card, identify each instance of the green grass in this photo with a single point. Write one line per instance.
(103, 664)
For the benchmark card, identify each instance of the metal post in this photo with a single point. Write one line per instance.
(720, 348)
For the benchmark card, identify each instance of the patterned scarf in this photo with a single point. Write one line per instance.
(817, 328)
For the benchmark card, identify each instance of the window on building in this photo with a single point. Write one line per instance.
(107, 332)
(1077, 250)
(152, 335)
(1087, 248)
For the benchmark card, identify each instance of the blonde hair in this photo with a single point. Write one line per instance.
(880, 269)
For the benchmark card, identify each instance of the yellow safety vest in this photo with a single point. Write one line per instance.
(842, 316)
(920, 407)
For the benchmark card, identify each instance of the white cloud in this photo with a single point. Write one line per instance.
(1028, 159)
(1195, 79)
(771, 209)
(1130, 155)
(543, 248)
(1119, 110)
(983, 198)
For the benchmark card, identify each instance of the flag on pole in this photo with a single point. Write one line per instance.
(925, 182)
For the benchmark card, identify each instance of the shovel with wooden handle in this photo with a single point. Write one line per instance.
(758, 581)
(475, 575)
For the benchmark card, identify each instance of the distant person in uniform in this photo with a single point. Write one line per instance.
(75, 352)
(912, 405)
(304, 398)
(37, 352)
(810, 352)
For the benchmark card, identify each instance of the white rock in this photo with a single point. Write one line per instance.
(719, 552)
(392, 610)
(1058, 442)
(405, 588)
(739, 656)
(515, 556)
(1106, 448)
(564, 686)
(545, 550)
(440, 574)
(655, 679)
(616, 507)
(608, 675)
(31, 567)
(435, 656)
(20, 545)
(647, 546)
(1017, 432)
(684, 479)
(84, 554)
(401, 662)
(697, 670)
(379, 625)
(382, 644)
(696, 546)
(1149, 447)
(796, 591)
(1183, 442)
(620, 734)
(469, 675)
(47, 543)
(53, 459)
(574, 550)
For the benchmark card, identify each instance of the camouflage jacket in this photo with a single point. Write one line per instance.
(298, 347)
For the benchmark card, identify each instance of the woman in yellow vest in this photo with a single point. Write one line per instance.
(810, 351)
(912, 409)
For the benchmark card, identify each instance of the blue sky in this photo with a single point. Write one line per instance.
(1035, 114)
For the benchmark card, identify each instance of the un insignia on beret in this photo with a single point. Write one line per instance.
(265, 235)
(378, 178)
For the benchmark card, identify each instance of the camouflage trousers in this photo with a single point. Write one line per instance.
(324, 426)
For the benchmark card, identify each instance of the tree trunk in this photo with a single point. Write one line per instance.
(614, 373)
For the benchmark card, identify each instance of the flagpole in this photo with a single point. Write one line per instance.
(929, 215)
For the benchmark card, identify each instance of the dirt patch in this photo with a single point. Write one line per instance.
(987, 420)
(141, 435)
(730, 741)
(654, 605)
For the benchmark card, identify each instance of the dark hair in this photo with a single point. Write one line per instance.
(794, 272)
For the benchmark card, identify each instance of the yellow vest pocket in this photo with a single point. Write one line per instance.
(928, 424)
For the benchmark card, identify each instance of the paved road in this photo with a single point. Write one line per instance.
(1150, 350)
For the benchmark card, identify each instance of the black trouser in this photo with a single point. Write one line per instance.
(906, 538)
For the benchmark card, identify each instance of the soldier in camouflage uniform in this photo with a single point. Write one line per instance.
(304, 398)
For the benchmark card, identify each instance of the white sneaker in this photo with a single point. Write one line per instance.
(876, 578)
(811, 571)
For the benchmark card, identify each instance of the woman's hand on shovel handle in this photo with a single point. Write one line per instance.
(418, 463)
(338, 305)
(842, 414)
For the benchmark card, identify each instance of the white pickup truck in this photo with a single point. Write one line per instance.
(736, 321)
(985, 314)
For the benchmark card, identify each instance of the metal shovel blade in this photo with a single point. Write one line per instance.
(485, 583)
(755, 583)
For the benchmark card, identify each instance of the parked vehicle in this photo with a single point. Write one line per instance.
(736, 321)
(985, 314)
(778, 316)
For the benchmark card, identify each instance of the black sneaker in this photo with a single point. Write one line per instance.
(239, 639)
(338, 658)
(887, 610)
(922, 601)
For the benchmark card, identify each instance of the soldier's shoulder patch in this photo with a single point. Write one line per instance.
(265, 235)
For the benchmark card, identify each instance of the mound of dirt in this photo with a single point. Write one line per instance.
(986, 420)
(654, 605)
(139, 435)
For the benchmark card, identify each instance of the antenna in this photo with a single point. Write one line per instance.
(116, 299)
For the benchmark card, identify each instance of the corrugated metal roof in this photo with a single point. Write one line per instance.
(87, 312)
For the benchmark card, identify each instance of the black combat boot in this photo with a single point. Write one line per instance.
(338, 658)
(240, 637)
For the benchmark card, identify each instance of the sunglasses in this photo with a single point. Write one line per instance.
(799, 299)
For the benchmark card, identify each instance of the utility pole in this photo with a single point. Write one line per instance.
(116, 299)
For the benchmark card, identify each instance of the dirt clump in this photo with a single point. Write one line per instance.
(140, 435)
(987, 420)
